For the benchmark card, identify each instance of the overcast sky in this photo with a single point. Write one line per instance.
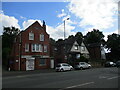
(84, 16)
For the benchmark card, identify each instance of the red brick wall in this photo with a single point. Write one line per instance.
(37, 66)
(23, 64)
(25, 39)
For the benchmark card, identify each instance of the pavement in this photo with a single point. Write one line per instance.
(6, 73)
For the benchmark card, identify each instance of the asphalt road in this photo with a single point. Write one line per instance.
(89, 78)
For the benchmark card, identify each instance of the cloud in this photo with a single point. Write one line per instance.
(8, 21)
(95, 13)
(27, 23)
(62, 14)
(22, 17)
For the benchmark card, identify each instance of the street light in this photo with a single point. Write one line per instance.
(64, 27)
(65, 57)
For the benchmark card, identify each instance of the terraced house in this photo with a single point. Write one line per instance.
(31, 49)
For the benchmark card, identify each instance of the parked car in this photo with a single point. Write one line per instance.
(118, 64)
(110, 64)
(82, 65)
(63, 67)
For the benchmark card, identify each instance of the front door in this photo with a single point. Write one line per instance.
(30, 64)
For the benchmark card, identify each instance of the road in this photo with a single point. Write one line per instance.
(89, 78)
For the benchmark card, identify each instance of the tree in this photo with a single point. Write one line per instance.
(113, 44)
(9, 34)
(94, 36)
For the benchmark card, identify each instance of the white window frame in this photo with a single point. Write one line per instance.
(26, 47)
(33, 47)
(45, 48)
(31, 36)
(40, 48)
(42, 38)
(37, 48)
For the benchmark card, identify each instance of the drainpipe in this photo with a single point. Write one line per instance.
(20, 52)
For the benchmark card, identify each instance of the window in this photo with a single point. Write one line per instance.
(31, 36)
(36, 48)
(42, 62)
(26, 47)
(83, 48)
(40, 48)
(76, 47)
(45, 48)
(41, 37)
(33, 47)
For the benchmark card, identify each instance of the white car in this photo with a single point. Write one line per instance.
(82, 65)
(63, 67)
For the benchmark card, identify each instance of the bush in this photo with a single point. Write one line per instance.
(82, 59)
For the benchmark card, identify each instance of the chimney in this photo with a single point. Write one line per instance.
(44, 26)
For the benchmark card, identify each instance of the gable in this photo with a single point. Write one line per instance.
(75, 47)
(83, 48)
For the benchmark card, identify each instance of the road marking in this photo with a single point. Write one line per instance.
(77, 85)
(112, 77)
(102, 77)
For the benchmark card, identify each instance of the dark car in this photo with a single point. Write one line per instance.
(118, 63)
(109, 64)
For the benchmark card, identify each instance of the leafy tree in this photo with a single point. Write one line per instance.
(9, 34)
(113, 44)
(94, 36)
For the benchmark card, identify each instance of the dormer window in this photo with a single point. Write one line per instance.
(83, 48)
(41, 37)
(31, 36)
(76, 47)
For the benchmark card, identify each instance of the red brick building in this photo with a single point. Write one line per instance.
(31, 49)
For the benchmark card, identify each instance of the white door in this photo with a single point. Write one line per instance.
(52, 63)
(30, 64)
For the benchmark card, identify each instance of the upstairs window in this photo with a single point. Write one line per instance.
(37, 48)
(76, 47)
(33, 48)
(41, 37)
(83, 48)
(26, 47)
(40, 48)
(31, 36)
(45, 48)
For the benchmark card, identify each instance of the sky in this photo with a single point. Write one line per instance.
(84, 16)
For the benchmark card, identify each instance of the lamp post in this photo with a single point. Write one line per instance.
(65, 57)
(64, 27)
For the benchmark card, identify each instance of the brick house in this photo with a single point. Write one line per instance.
(31, 49)
(97, 51)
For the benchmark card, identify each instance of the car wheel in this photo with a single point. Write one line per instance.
(89, 67)
(81, 68)
(61, 69)
(71, 69)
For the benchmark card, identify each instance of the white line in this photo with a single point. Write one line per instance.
(77, 85)
(113, 77)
